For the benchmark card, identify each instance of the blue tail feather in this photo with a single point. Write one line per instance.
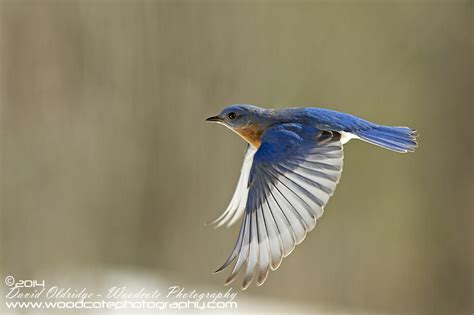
(399, 139)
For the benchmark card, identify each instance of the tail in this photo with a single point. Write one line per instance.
(398, 139)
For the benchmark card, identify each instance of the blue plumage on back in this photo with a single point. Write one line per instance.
(399, 139)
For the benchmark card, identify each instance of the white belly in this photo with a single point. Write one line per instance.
(346, 136)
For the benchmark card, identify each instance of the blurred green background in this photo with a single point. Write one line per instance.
(107, 163)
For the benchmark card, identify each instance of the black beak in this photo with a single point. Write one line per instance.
(214, 118)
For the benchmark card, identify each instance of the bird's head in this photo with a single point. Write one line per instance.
(238, 116)
(248, 121)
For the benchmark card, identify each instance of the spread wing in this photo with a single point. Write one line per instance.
(293, 174)
(236, 207)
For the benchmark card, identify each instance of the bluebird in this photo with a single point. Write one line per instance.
(291, 167)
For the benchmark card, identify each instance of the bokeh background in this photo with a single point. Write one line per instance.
(107, 166)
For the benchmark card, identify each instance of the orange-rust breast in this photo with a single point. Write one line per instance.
(250, 133)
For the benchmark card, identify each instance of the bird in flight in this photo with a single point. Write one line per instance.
(291, 167)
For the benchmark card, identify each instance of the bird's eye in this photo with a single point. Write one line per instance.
(231, 115)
